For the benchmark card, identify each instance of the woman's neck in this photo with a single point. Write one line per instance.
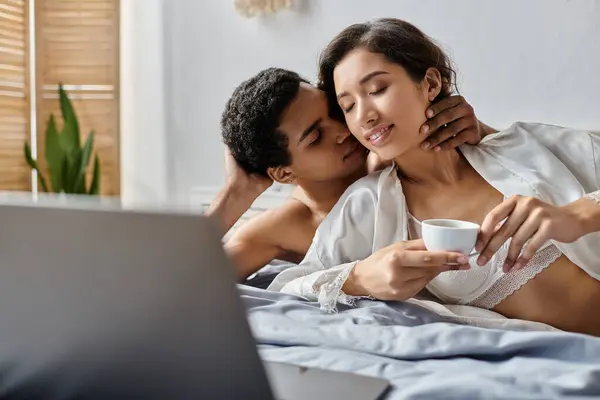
(430, 168)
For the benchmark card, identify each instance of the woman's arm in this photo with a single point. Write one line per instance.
(396, 272)
(345, 236)
(580, 152)
(577, 149)
(531, 222)
(341, 264)
(588, 211)
(593, 199)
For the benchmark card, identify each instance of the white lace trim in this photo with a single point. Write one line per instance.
(512, 281)
(330, 292)
(594, 196)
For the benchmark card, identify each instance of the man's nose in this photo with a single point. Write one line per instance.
(342, 135)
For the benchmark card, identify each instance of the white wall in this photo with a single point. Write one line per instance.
(144, 149)
(533, 60)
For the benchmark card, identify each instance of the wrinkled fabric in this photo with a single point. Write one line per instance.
(423, 354)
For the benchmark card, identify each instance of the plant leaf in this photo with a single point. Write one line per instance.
(73, 167)
(67, 187)
(42, 181)
(86, 152)
(69, 140)
(33, 164)
(70, 132)
(28, 156)
(54, 156)
(95, 186)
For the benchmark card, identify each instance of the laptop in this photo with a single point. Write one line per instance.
(97, 301)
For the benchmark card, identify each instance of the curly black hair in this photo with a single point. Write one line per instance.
(251, 117)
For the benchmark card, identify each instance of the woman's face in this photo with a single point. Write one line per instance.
(384, 108)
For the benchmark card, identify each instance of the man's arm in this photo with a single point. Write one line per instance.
(262, 239)
(240, 191)
(229, 205)
(258, 242)
(486, 130)
(450, 123)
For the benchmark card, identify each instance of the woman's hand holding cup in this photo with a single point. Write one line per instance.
(401, 270)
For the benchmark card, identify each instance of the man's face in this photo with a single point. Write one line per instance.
(322, 148)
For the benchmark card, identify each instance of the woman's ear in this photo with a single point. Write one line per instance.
(433, 83)
(281, 175)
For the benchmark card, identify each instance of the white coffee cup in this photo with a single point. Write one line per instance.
(449, 235)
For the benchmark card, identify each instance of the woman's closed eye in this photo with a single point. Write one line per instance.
(378, 91)
(348, 108)
(375, 92)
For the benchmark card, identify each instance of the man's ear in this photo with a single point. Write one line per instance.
(433, 83)
(281, 175)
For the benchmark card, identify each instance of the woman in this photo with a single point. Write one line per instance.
(544, 180)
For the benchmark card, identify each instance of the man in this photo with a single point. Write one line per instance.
(277, 127)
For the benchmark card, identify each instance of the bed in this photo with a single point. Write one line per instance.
(426, 352)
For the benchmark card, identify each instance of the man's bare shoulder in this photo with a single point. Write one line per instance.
(290, 218)
(292, 215)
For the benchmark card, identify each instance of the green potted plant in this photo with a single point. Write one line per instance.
(67, 160)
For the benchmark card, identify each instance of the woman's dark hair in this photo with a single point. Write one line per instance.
(398, 41)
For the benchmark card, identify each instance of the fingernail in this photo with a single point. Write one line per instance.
(478, 246)
(462, 260)
(518, 265)
(426, 145)
(506, 266)
(425, 128)
(482, 261)
(430, 113)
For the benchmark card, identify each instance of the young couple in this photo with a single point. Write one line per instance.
(533, 188)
